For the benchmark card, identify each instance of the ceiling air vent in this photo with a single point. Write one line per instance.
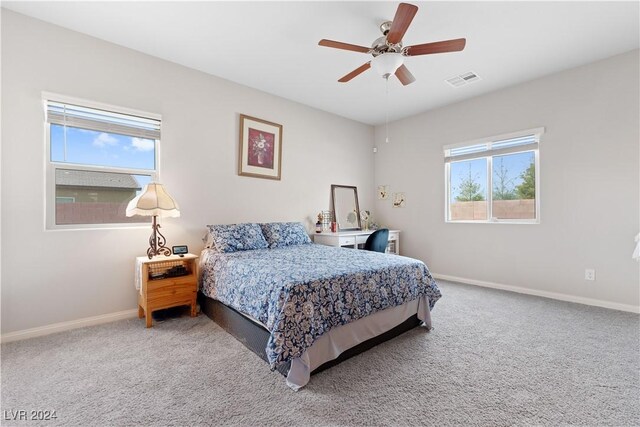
(463, 79)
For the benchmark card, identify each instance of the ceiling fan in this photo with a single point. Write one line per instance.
(388, 52)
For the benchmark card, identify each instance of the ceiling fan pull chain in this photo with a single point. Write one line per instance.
(387, 109)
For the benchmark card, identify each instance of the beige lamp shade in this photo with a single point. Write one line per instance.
(154, 200)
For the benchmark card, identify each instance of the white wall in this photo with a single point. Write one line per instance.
(58, 276)
(589, 164)
(589, 170)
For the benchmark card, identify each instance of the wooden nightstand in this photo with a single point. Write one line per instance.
(166, 282)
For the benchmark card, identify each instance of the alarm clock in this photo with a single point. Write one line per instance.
(180, 250)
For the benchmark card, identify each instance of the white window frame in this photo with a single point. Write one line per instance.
(51, 166)
(488, 154)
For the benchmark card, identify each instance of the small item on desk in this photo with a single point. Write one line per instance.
(319, 223)
(180, 250)
(334, 227)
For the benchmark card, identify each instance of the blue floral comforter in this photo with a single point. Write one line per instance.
(300, 292)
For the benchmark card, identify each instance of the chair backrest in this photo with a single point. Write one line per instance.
(378, 241)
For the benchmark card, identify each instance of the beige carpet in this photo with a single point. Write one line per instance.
(493, 358)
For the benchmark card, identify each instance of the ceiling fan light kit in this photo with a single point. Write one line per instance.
(388, 52)
(387, 63)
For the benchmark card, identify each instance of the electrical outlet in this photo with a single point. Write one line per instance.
(590, 274)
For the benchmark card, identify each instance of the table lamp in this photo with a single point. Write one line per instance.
(154, 201)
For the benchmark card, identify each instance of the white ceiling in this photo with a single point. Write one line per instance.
(273, 46)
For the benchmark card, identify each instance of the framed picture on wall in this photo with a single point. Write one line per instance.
(383, 192)
(260, 148)
(399, 200)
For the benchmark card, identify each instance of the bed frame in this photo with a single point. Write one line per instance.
(254, 336)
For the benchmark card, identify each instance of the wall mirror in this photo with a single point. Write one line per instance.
(346, 210)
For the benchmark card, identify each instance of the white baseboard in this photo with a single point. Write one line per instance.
(545, 294)
(67, 326)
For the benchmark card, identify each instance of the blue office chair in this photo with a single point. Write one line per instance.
(378, 241)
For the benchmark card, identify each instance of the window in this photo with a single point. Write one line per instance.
(98, 159)
(494, 179)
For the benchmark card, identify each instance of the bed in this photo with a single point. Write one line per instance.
(308, 305)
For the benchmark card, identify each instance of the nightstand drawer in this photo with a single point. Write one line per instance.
(188, 282)
(175, 294)
(172, 288)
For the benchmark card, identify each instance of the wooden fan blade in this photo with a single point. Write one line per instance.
(404, 75)
(359, 70)
(345, 46)
(400, 23)
(436, 47)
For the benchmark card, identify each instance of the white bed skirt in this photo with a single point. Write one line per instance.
(330, 345)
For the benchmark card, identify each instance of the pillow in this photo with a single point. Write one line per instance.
(208, 240)
(236, 237)
(281, 234)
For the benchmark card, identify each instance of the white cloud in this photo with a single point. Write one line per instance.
(141, 144)
(104, 139)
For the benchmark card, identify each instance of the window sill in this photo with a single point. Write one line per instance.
(518, 222)
(494, 222)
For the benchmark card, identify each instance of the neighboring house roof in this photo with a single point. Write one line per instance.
(78, 178)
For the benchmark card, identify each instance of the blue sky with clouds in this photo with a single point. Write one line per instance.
(90, 147)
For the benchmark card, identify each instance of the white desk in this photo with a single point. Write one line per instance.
(356, 239)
